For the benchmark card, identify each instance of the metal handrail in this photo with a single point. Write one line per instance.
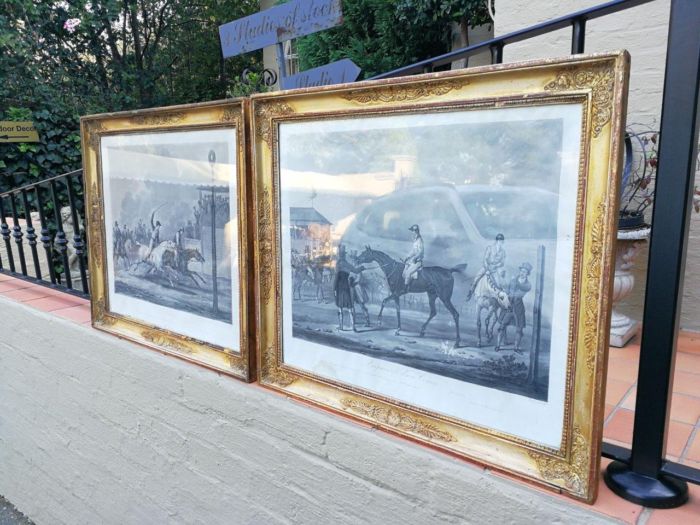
(31, 185)
(576, 21)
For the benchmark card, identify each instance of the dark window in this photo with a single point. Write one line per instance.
(391, 217)
(517, 215)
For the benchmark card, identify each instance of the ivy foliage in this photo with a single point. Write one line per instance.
(381, 35)
(122, 55)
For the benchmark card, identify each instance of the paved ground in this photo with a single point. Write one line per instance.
(9, 515)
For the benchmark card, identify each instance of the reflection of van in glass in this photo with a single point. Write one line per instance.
(458, 222)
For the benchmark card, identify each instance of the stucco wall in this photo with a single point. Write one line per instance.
(643, 32)
(97, 430)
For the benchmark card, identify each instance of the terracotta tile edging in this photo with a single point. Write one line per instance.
(44, 298)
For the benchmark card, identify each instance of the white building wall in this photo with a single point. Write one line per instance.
(643, 31)
(98, 430)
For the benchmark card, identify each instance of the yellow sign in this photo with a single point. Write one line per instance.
(11, 131)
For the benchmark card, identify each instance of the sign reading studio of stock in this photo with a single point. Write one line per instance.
(11, 131)
(285, 22)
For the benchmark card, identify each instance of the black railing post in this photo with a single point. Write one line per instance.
(17, 234)
(31, 235)
(641, 481)
(5, 231)
(578, 36)
(45, 234)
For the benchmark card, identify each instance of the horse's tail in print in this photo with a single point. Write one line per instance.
(459, 268)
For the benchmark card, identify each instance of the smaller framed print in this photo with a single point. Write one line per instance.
(167, 230)
(435, 257)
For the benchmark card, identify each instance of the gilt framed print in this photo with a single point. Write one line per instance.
(166, 198)
(434, 257)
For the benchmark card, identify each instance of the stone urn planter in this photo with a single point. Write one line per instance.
(629, 242)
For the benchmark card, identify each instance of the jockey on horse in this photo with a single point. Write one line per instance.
(155, 233)
(494, 259)
(414, 261)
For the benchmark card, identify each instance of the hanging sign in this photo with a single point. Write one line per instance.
(334, 73)
(277, 24)
(12, 131)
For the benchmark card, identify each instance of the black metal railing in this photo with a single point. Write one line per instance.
(642, 474)
(49, 212)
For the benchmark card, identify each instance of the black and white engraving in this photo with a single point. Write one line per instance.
(170, 201)
(427, 242)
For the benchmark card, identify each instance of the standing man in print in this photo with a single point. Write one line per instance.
(342, 287)
(117, 236)
(517, 289)
(494, 260)
(414, 261)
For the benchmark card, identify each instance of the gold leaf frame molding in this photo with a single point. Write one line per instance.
(598, 84)
(231, 114)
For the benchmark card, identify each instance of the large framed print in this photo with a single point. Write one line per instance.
(167, 230)
(434, 257)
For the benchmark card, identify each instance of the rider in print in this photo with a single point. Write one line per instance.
(414, 261)
(155, 235)
(494, 260)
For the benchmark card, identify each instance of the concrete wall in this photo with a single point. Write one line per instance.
(643, 31)
(98, 430)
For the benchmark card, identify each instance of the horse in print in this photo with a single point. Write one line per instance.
(300, 276)
(435, 281)
(492, 298)
(169, 260)
(307, 273)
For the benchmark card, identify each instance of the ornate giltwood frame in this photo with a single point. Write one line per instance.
(212, 115)
(599, 84)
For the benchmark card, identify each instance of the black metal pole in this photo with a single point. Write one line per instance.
(17, 234)
(31, 234)
(578, 36)
(641, 481)
(45, 234)
(214, 277)
(5, 230)
(497, 53)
